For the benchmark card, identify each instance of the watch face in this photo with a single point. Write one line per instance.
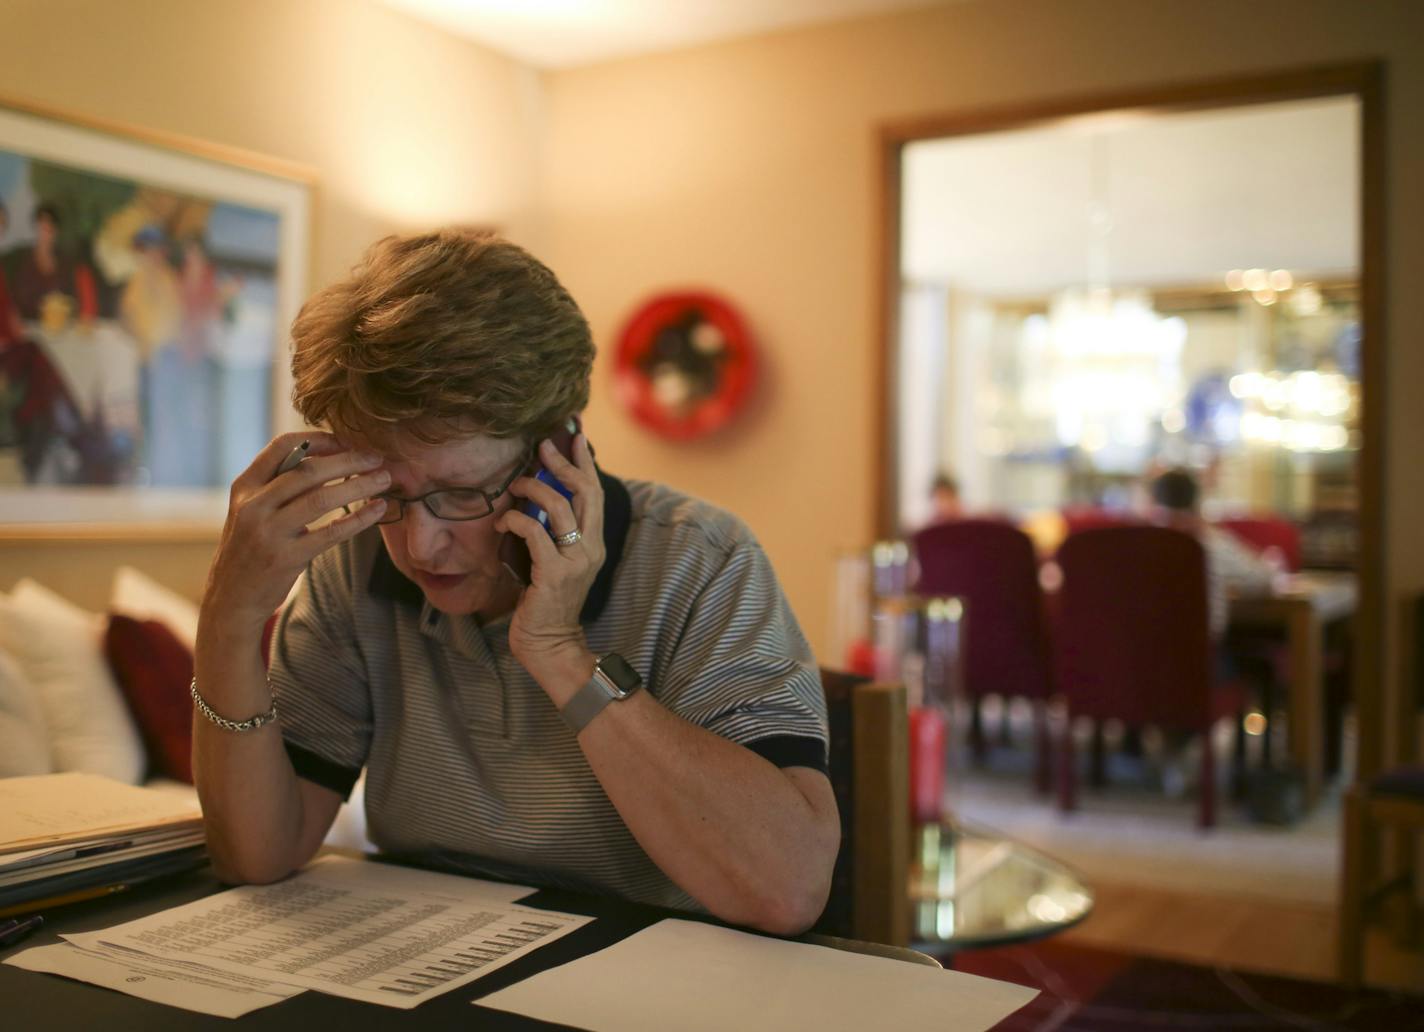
(617, 670)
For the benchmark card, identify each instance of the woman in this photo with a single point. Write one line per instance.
(501, 728)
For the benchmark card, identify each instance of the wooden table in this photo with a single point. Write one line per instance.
(1299, 609)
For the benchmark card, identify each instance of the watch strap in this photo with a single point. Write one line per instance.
(588, 701)
(586, 704)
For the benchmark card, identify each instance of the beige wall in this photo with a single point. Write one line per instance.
(404, 126)
(749, 167)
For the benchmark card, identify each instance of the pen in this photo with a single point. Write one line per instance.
(12, 932)
(295, 456)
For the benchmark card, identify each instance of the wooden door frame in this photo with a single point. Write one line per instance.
(1375, 700)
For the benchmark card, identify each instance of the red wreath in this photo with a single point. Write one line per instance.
(685, 364)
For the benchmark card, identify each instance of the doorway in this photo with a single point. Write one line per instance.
(1077, 293)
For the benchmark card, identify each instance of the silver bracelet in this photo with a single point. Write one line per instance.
(250, 724)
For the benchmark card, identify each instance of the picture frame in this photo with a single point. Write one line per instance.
(148, 282)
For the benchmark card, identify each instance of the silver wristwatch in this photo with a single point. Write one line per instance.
(613, 680)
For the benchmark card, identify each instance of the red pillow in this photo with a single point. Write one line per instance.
(154, 669)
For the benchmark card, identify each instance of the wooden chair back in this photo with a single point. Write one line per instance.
(870, 773)
(1375, 876)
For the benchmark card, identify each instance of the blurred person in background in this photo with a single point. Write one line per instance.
(1231, 567)
(945, 503)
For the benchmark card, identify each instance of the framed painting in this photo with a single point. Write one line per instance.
(147, 285)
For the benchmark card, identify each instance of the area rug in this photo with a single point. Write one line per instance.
(1085, 989)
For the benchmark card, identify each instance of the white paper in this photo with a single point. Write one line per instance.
(29, 856)
(176, 983)
(363, 930)
(697, 977)
(53, 809)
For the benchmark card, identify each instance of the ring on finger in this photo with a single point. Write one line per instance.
(573, 537)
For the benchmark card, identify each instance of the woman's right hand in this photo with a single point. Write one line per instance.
(266, 542)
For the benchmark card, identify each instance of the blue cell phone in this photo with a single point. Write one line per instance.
(513, 552)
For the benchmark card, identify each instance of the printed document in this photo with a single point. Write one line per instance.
(697, 977)
(360, 929)
(177, 983)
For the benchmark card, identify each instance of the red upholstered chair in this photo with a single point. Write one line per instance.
(991, 565)
(1080, 518)
(1132, 642)
(1262, 532)
(1076, 519)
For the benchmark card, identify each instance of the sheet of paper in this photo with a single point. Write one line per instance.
(697, 977)
(51, 809)
(364, 930)
(176, 983)
(30, 856)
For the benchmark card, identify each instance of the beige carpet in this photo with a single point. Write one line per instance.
(1130, 833)
(1130, 839)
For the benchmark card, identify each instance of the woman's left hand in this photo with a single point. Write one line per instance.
(544, 632)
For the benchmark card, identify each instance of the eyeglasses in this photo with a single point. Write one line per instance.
(458, 504)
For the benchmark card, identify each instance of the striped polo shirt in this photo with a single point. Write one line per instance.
(468, 763)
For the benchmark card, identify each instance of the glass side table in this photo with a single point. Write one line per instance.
(972, 887)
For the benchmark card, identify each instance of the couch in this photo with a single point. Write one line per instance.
(107, 693)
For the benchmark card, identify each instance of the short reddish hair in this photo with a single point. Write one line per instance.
(441, 335)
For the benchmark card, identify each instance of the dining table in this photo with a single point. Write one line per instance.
(1300, 608)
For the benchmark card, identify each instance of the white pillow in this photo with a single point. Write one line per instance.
(60, 648)
(138, 595)
(24, 739)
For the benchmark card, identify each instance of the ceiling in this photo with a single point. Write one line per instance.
(1184, 197)
(565, 33)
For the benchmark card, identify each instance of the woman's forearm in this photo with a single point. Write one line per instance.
(252, 805)
(262, 820)
(752, 843)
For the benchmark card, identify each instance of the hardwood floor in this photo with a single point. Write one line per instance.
(1247, 933)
